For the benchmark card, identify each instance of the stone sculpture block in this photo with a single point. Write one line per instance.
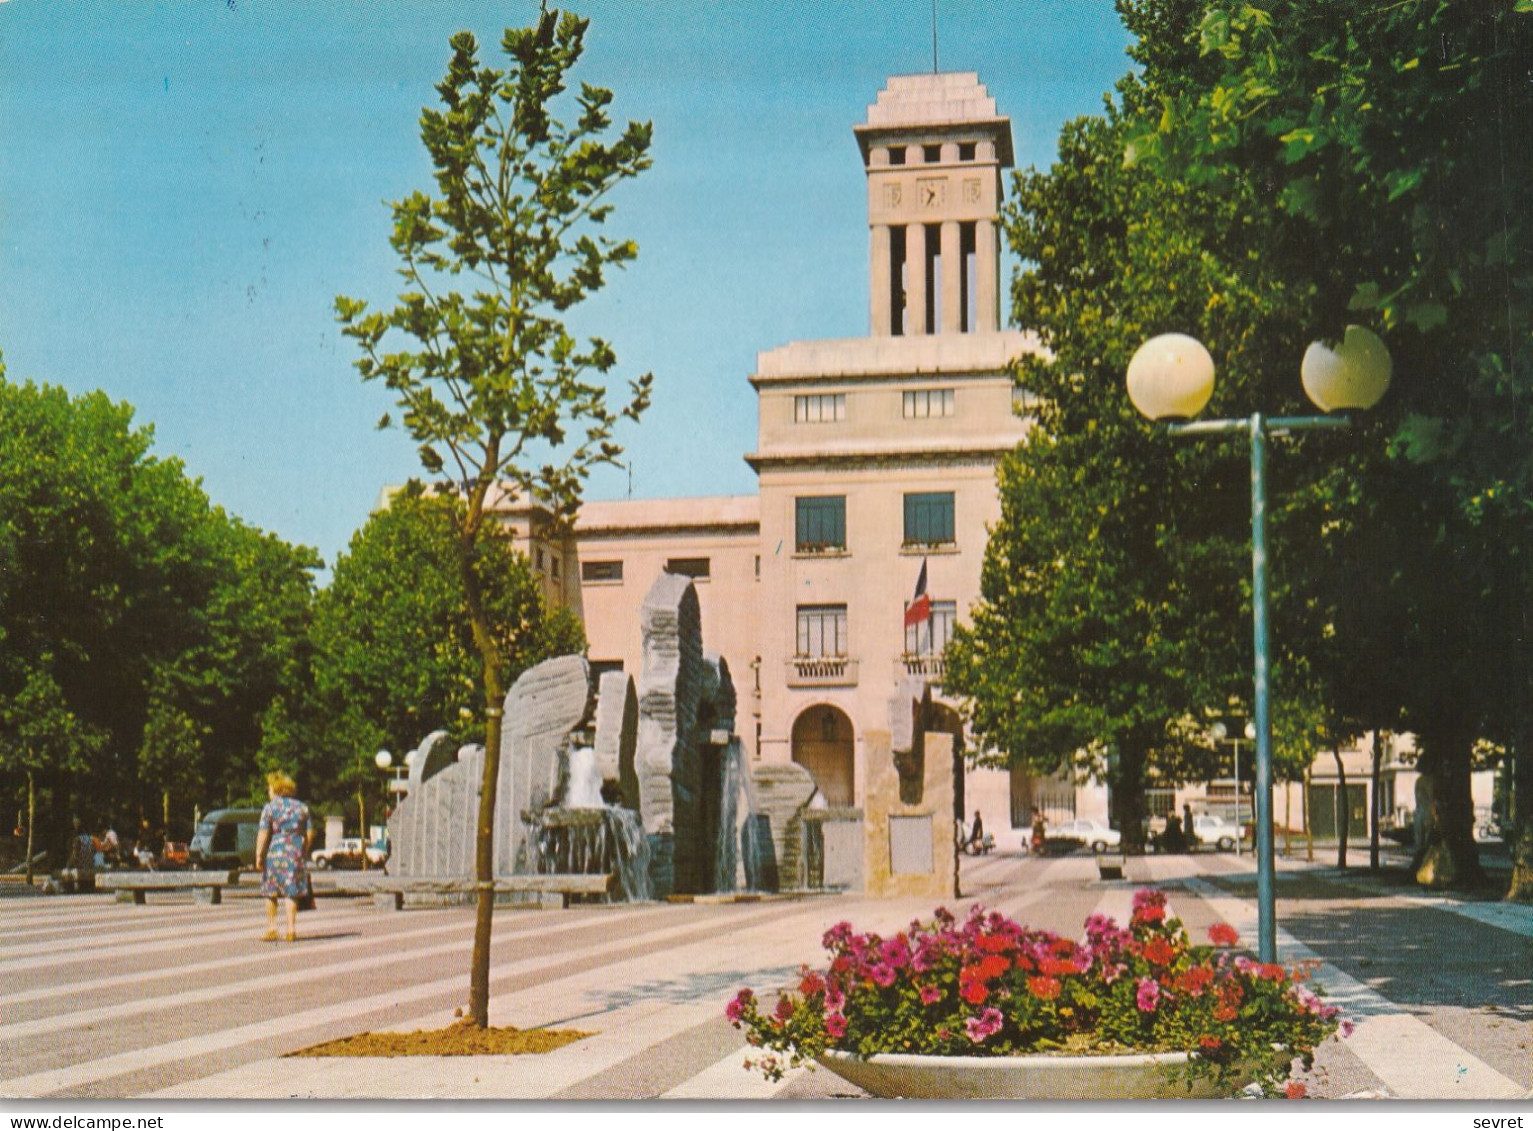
(617, 734)
(890, 867)
(546, 703)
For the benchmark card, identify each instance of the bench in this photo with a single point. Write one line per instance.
(206, 887)
(389, 892)
(1110, 865)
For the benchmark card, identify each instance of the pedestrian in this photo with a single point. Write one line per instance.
(976, 842)
(285, 836)
(1040, 831)
(1192, 837)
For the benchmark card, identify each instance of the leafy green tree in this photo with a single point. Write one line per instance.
(394, 650)
(40, 735)
(1392, 146)
(150, 612)
(1115, 612)
(497, 393)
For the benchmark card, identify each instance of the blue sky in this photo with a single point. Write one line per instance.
(185, 187)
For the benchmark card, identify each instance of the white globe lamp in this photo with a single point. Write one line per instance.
(1353, 375)
(1171, 377)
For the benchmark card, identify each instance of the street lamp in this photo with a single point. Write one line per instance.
(1171, 377)
(1220, 733)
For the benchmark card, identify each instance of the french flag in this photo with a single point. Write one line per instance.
(919, 611)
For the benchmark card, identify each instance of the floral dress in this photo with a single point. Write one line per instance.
(286, 819)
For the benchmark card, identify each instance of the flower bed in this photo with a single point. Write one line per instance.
(991, 987)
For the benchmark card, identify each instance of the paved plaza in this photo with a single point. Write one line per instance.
(178, 1000)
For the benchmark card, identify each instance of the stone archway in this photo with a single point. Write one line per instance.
(825, 745)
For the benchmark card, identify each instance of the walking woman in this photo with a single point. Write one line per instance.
(282, 852)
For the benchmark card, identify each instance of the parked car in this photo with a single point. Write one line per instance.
(225, 838)
(1095, 834)
(174, 855)
(1216, 831)
(348, 853)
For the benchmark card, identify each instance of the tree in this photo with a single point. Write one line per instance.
(394, 651)
(40, 734)
(148, 612)
(1114, 610)
(1392, 146)
(491, 384)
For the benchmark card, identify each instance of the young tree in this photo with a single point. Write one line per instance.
(490, 382)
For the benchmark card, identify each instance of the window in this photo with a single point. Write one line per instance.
(553, 560)
(931, 154)
(822, 630)
(695, 568)
(601, 571)
(819, 408)
(918, 404)
(821, 524)
(896, 155)
(929, 518)
(966, 150)
(539, 557)
(931, 638)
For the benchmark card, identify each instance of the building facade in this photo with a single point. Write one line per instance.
(875, 458)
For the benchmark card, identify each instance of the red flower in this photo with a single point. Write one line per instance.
(1296, 1090)
(1159, 951)
(1150, 913)
(993, 966)
(1055, 967)
(1196, 980)
(784, 1008)
(812, 984)
(1222, 934)
(1224, 1012)
(1272, 972)
(971, 987)
(1044, 987)
(1208, 1042)
(993, 944)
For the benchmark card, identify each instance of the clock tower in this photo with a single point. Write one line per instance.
(934, 148)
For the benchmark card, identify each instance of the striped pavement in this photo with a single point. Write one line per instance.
(176, 1000)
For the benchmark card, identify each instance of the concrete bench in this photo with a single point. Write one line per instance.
(1110, 865)
(206, 887)
(389, 892)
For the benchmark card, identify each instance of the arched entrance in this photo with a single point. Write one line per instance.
(824, 745)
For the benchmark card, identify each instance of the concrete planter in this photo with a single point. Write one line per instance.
(1140, 1076)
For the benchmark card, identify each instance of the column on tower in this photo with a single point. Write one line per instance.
(951, 317)
(987, 274)
(916, 261)
(883, 284)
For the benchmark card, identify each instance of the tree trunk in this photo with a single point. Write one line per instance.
(1343, 809)
(1448, 857)
(1128, 797)
(489, 782)
(1521, 816)
(31, 822)
(1376, 800)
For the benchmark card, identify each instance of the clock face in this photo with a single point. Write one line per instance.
(931, 194)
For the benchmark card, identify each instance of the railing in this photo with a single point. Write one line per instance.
(932, 667)
(822, 671)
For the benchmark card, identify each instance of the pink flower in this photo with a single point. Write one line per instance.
(835, 998)
(835, 1025)
(736, 1009)
(930, 995)
(1148, 996)
(883, 974)
(987, 1024)
(896, 952)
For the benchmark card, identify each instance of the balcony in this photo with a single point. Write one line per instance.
(933, 668)
(822, 671)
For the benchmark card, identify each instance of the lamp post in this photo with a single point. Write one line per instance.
(1220, 733)
(1171, 377)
